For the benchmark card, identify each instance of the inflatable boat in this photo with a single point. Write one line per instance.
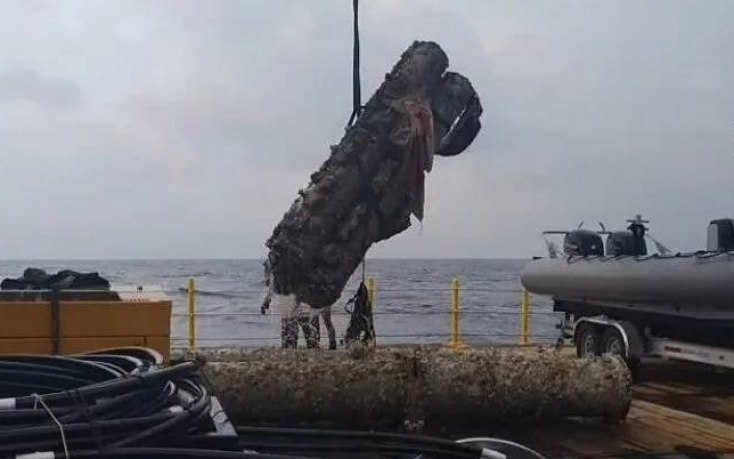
(622, 275)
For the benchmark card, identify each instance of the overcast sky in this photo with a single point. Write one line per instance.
(185, 128)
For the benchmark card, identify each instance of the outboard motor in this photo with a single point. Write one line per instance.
(583, 243)
(637, 229)
(621, 243)
(720, 235)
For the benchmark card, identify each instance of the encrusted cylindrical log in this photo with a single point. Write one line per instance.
(388, 388)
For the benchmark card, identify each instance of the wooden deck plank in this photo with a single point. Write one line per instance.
(572, 438)
(685, 419)
(675, 408)
(660, 424)
(718, 408)
(685, 390)
(672, 388)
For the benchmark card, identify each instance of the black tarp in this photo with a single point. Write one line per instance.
(36, 283)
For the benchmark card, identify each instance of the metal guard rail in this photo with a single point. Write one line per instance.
(455, 336)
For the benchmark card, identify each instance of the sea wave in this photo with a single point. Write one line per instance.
(196, 275)
(219, 294)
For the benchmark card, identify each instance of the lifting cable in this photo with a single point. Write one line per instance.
(356, 83)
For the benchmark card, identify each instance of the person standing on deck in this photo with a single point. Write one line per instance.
(326, 315)
(307, 321)
(294, 316)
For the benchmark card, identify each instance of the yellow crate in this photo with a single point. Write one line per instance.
(26, 327)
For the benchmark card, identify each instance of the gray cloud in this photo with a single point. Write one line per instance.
(21, 84)
(201, 120)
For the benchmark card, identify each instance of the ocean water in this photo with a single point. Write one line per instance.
(413, 298)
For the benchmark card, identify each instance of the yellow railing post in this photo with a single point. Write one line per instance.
(372, 297)
(192, 316)
(456, 343)
(372, 292)
(525, 318)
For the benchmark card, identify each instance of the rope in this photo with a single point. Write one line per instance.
(37, 400)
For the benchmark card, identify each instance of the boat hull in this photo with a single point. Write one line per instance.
(699, 284)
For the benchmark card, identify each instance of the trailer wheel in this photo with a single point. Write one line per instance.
(613, 343)
(588, 341)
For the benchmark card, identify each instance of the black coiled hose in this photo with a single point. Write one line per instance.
(291, 440)
(101, 406)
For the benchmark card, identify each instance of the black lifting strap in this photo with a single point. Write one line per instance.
(367, 195)
(356, 85)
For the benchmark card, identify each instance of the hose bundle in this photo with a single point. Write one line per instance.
(97, 402)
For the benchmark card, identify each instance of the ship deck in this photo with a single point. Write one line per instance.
(678, 410)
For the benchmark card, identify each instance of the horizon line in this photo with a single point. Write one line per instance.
(245, 258)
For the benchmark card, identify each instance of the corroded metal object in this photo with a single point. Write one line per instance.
(435, 388)
(373, 180)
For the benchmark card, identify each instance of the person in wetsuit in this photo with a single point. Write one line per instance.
(307, 321)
